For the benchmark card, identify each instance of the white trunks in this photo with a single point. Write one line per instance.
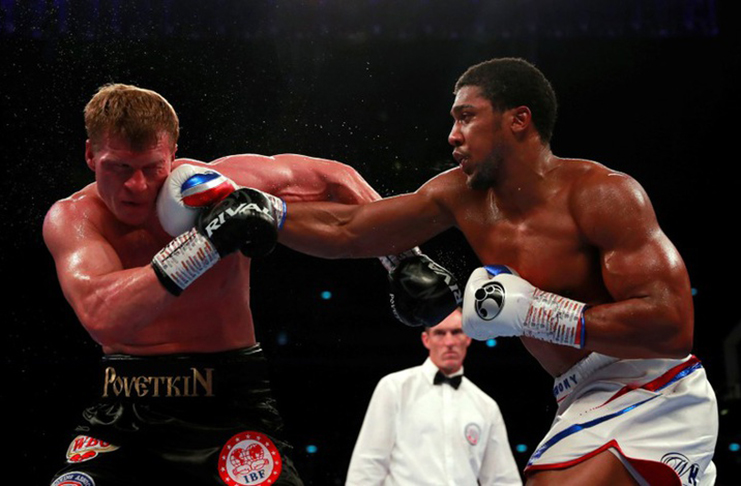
(658, 416)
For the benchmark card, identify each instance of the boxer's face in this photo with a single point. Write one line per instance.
(128, 180)
(476, 137)
(447, 344)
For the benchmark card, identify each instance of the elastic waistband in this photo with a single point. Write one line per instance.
(565, 383)
(222, 357)
(182, 375)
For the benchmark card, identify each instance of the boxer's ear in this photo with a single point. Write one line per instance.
(521, 119)
(89, 155)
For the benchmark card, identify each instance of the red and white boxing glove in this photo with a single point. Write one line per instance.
(191, 188)
(212, 217)
(497, 302)
(187, 190)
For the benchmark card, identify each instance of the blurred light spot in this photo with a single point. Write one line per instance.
(311, 449)
(326, 295)
(282, 338)
(491, 342)
(521, 448)
(734, 447)
(694, 291)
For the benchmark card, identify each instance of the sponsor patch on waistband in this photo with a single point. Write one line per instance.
(249, 458)
(83, 448)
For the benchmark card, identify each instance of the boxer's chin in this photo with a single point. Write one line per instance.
(479, 181)
(133, 214)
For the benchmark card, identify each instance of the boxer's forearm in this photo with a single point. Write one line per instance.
(385, 227)
(638, 328)
(318, 229)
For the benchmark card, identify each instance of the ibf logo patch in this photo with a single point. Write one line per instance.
(489, 300)
(83, 448)
(74, 479)
(473, 433)
(687, 471)
(249, 458)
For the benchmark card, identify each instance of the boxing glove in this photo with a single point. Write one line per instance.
(215, 218)
(246, 219)
(187, 190)
(422, 292)
(191, 188)
(497, 302)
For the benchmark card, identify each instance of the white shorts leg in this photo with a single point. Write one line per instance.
(658, 415)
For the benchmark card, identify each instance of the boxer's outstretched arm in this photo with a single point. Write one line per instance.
(294, 177)
(652, 312)
(388, 226)
(338, 230)
(111, 302)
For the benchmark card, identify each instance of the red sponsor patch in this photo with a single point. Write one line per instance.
(83, 448)
(249, 458)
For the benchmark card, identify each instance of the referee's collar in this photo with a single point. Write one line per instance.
(429, 370)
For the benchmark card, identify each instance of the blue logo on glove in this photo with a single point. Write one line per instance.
(495, 270)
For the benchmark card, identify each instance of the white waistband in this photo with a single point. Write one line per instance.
(566, 382)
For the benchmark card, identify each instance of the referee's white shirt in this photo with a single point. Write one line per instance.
(418, 433)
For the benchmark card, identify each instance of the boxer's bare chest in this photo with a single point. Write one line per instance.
(544, 245)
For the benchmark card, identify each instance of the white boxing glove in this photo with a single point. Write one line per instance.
(497, 302)
(187, 190)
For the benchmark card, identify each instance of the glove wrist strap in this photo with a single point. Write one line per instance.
(555, 319)
(183, 260)
(279, 206)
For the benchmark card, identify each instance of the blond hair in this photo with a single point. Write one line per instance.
(138, 115)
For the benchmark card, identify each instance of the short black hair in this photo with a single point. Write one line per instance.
(511, 82)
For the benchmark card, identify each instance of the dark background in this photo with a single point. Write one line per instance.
(646, 87)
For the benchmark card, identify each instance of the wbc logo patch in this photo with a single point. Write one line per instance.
(249, 459)
(83, 448)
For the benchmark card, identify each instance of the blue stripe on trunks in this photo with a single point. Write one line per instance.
(681, 375)
(578, 427)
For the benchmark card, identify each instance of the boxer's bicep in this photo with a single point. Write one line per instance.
(297, 178)
(399, 223)
(651, 312)
(90, 272)
(81, 256)
(635, 256)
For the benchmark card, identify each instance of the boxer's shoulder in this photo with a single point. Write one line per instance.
(448, 188)
(587, 175)
(83, 214)
(608, 188)
(77, 208)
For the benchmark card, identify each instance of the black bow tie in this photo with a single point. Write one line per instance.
(454, 381)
